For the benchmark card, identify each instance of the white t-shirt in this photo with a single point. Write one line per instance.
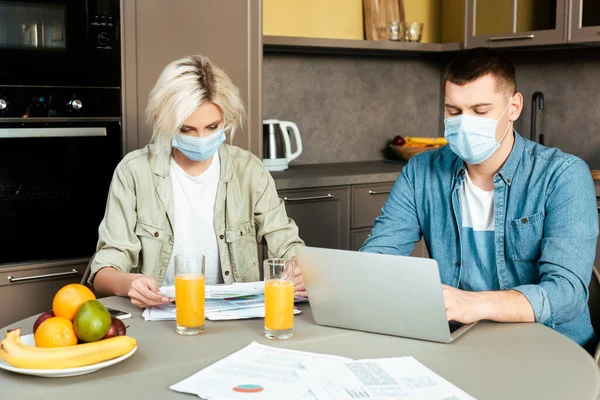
(193, 206)
(478, 265)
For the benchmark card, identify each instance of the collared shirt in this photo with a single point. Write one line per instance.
(137, 235)
(545, 218)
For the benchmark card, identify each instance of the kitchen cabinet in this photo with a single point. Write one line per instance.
(322, 215)
(339, 217)
(584, 21)
(515, 23)
(29, 289)
(157, 32)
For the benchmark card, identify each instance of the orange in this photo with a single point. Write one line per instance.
(55, 332)
(69, 298)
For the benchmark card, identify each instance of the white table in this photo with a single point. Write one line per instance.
(491, 361)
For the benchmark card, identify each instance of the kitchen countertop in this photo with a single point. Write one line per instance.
(338, 174)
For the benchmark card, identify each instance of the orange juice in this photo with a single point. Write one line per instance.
(279, 305)
(189, 300)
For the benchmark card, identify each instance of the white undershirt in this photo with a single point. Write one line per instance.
(478, 246)
(193, 206)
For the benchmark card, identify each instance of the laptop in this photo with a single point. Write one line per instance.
(380, 293)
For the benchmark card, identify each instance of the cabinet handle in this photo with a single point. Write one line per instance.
(507, 38)
(291, 199)
(374, 193)
(35, 277)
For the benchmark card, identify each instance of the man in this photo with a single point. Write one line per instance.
(512, 224)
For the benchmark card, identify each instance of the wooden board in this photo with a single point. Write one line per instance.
(595, 174)
(379, 14)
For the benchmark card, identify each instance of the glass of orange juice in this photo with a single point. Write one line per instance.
(279, 298)
(189, 294)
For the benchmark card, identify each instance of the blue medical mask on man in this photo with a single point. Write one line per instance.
(473, 138)
(199, 148)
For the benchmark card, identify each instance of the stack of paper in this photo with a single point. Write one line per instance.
(223, 302)
(272, 373)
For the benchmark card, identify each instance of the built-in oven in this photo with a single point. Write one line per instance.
(60, 43)
(58, 150)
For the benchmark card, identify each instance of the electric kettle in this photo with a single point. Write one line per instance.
(277, 146)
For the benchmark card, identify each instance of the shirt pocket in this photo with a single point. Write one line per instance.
(243, 251)
(153, 240)
(525, 237)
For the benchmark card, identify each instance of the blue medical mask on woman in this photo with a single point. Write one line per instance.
(473, 138)
(199, 148)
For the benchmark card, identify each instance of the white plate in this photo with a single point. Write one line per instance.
(61, 373)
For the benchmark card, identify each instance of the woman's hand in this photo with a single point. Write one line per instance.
(299, 288)
(143, 292)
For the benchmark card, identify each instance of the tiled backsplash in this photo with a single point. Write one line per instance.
(347, 107)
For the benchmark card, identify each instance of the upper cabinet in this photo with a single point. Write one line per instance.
(156, 32)
(584, 21)
(514, 23)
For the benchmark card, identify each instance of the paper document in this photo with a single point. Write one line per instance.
(385, 378)
(257, 371)
(216, 309)
(229, 291)
(242, 313)
(224, 291)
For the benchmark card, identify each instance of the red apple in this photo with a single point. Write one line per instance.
(117, 328)
(42, 318)
(399, 141)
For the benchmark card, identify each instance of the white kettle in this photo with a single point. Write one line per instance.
(277, 146)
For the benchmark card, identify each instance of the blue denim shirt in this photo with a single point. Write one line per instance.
(546, 226)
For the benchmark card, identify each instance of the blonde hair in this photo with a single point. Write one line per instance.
(182, 87)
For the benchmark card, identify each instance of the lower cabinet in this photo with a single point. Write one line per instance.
(322, 215)
(339, 217)
(29, 289)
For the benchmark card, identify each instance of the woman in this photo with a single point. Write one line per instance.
(187, 192)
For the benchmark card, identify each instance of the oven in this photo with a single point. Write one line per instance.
(58, 151)
(60, 43)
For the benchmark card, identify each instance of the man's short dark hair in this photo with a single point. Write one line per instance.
(472, 64)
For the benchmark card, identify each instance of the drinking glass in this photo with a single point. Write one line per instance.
(279, 298)
(189, 294)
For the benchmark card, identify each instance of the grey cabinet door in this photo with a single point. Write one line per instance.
(367, 201)
(322, 215)
(584, 24)
(515, 23)
(29, 290)
(157, 32)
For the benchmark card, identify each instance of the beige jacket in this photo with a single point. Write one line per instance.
(136, 234)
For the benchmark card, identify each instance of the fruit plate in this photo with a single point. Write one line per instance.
(62, 373)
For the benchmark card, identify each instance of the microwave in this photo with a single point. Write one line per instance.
(60, 43)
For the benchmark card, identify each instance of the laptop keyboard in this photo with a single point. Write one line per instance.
(454, 325)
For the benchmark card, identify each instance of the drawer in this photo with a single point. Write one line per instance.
(27, 290)
(367, 201)
(322, 215)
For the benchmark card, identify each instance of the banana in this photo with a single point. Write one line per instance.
(438, 141)
(17, 354)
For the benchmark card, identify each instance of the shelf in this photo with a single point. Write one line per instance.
(277, 44)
